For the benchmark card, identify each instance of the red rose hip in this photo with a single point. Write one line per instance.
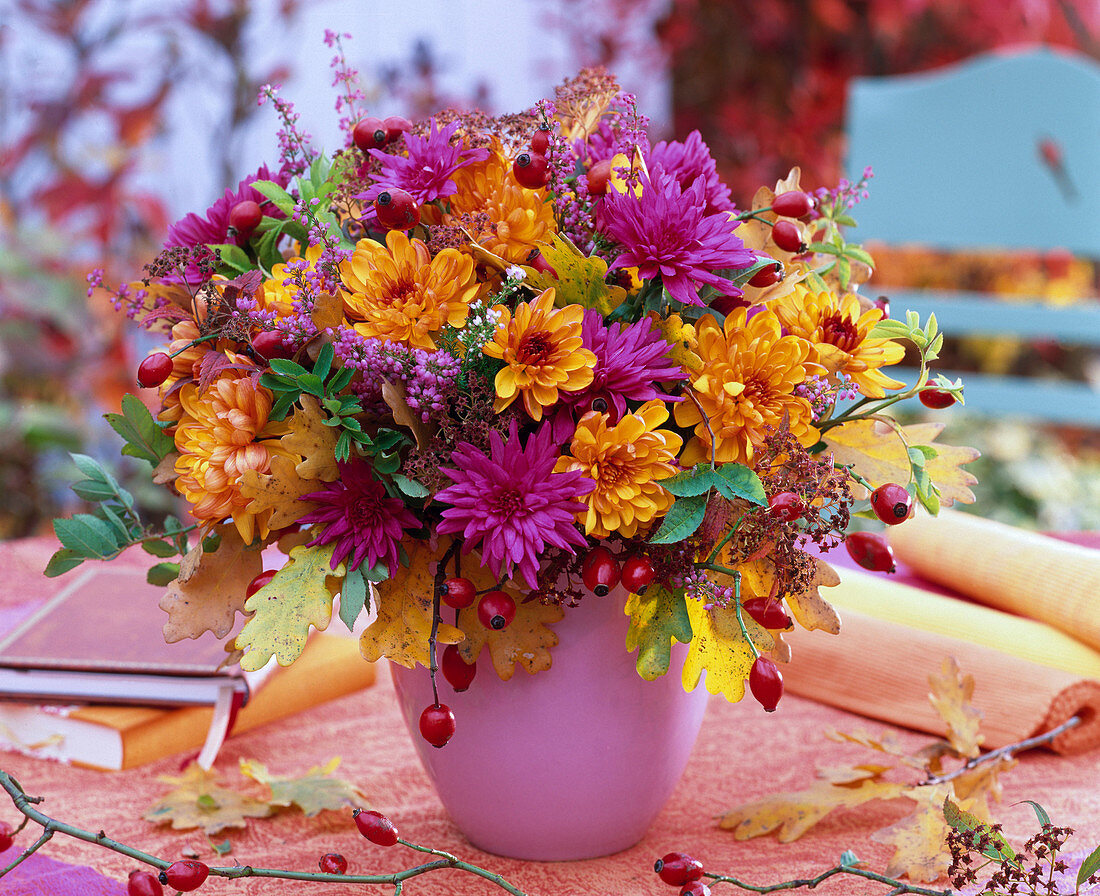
(787, 236)
(458, 593)
(870, 550)
(766, 683)
(185, 876)
(264, 578)
(459, 673)
(600, 571)
(154, 370)
(396, 210)
(333, 863)
(678, 869)
(375, 827)
(936, 398)
(792, 204)
(531, 170)
(143, 883)
(496, 610)
(892, 503)
(370, 133)
(768, 613)
(766, 276)
(437, 724)
(637, 574)
(245, 217)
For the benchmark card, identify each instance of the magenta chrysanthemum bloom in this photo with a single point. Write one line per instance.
(690, 160)
(666, 232)
(357, 514)
(511, 504)
(631, 360)
(426, 173)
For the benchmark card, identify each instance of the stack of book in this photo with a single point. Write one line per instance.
(87, 678)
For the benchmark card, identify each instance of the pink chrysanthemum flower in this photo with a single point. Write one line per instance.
(426, 172)
(357, 514)
(665, 231)
(690, 160)
(631, 361)
(511, 503)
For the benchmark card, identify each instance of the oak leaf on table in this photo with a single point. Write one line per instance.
(312, 792)
(197, 800)
(950, 697)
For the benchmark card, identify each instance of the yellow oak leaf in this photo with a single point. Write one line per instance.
(394, 395)
(312, 792)
(405, 608)
(849, 775)
(197, 800)
(950, 697)
(579, 280)
(719, 647)
(657, 618)
(981, 784)
(300, 595)
(809, 608)
(279, 491)
(328, 311)
(920, 838)
(210, 588)
(792, 814)
(681, 337)
(525, 642)
(879, 453)
(312, 441)
(887, 742)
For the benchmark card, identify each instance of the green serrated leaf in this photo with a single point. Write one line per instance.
(323, 364)
(122, 531)
(63, 560)
(353, 597)
(860, 254)
(823, 249)
(738, 481)
(889, 329)
(697, 480)
(87, 536)
(312, 384)
(844, 271)
(162, 574)
(144, 437)
(92, 491)
(380, 572)
(343, 447)
(282, 407)
(91, 468)
(340, 381)
(282, 199)
(1089, 867)
(410, 487)
(233, 256)
(682, 519)
(845, 220)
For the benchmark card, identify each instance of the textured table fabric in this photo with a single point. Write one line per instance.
(742, 754)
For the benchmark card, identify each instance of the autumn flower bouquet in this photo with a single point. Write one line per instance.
(470, 372)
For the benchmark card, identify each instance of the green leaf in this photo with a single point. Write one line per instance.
(343, 447)
(286, 367)
(282, 199)
(144, 437)
(159, 548)
(1040, 812)
(695, 481)
(682, 519)
(997, 847)
(1089, 867)
(323, 364)
(353, 597)
(267, 249)
(380, 571)
(340, 381)
(87, 535)
(92, 491)
(410, 487)
(62, 561)
(222, 849)
(312, 384)
(91, 468)
(233, 256)
(121, 529)
(738, 481)
(282, 407)
(657, 617)
(849, 859)
(162, 573)
(860, 254)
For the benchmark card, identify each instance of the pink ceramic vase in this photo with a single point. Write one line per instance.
(571, 763)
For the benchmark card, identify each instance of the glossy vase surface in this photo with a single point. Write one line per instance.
(571, 763)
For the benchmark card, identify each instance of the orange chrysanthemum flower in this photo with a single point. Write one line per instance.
(518, 218)
(838, 329)
(225, 431)
(626, 461)
(399, 292)
(542, 350)
(184, 365)
(746, 384)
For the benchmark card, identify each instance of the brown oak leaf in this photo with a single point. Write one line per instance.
(394, 395)
(920, 838)
(279, 491)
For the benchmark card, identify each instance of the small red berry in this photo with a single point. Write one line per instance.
(766, 683)
(727, 304)
(637, 574)
(767, 276)
(259, 582)
(396, 210)
(458, 593)
(787, 506)
(936, 398)
(768, 613)
(154, 370)
(496, 610)
(891, 503)
(245, 217)
(883, 304)
(600, 571)
(333, 863)
(870, 550)
(437, 724)
(375, 827)
(695, 888)
(185, 875)
(598, 176)
(539, 263)
(7, 836)
(787, 236)
(792, 204)
(531, 170)
(270, 344)
(396, 126)
(678, 869)
(369, 133)
(143, 883)
(456, 670)
(540, 140)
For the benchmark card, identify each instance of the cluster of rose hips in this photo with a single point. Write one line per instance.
(892, 504)
(678, 869)
(185, 875)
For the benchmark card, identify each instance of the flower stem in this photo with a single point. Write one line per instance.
(812, 882)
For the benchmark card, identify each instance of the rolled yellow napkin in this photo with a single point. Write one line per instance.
(1012, 569)
(1028, 676)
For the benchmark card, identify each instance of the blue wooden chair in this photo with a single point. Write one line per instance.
(1000, 152)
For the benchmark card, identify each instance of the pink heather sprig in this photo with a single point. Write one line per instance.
(252, 317)
(375, 361)
(822, 394)
(295, 150)
(633, 125)
(323, 233)
(345, 77)
(697, 586)
(844, 195)
(572, 203)
(430, 377)
(134, 303)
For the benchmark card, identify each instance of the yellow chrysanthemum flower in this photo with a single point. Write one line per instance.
(543, 352)
(838, 329)
(626, 461)
(276, 295)
(225, 431)
(519, 219)
(399, 292)
(746, 384)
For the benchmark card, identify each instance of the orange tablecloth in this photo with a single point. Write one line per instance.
(742, 754)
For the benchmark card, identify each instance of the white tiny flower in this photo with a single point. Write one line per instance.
(515, 272)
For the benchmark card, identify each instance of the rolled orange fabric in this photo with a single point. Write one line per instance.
(1028, 677)
(1012, 569)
